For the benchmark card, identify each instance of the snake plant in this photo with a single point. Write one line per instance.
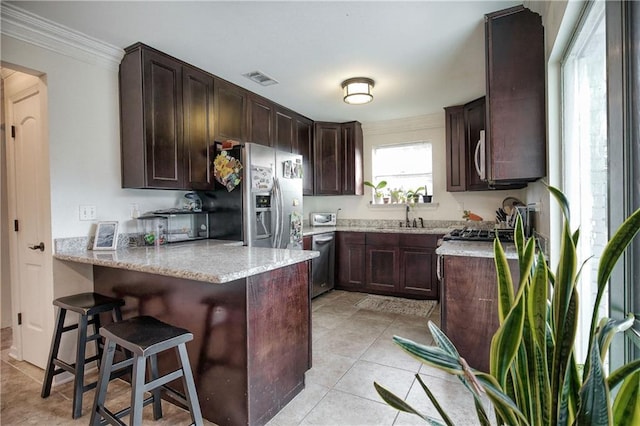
(534, 376)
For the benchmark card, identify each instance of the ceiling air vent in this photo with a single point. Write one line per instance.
(260, 78)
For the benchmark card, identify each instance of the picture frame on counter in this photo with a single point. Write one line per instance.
(106, 236)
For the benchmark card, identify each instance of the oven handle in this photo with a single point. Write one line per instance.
(439, 267)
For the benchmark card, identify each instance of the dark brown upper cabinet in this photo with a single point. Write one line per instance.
(328, 162)
(166, 121)
(303, 145)
(338, 158)
(515, 115)
(197, 113)
(260, 122)
(352, 145)
(230, 111)
(285, 130)
(463, 124)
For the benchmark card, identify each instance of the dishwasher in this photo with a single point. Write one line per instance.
(322, 267)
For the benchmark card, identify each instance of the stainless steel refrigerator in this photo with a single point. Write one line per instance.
(258, 196)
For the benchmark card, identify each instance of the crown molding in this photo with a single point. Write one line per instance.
(402, 125)
(28, 27)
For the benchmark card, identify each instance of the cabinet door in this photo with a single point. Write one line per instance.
(470, 305)
(474, 117)
(382, 262)
(382, 265)
(260, 121)
(418, 272)
(197, 88)
(516, 124)
(456, 149)
(230, 111)
(352, 141)
(285, 130)
(350, 255)
(328, 158)
(163, 124)
(303, 145)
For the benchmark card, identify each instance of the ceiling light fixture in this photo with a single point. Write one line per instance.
(357, 90)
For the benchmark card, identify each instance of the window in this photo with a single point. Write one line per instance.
(404, 166)
(584, 87)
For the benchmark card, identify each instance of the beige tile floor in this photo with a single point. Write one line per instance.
(352, 348)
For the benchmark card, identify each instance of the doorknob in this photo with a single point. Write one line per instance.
(38, 247)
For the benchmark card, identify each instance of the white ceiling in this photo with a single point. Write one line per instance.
(423, 55)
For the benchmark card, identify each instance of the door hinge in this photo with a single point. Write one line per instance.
(13, 131)
(16, 226)
(19, 318)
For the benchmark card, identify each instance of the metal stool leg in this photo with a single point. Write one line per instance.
(78, 381)
(103, 382)
(189, 385)
(137, 390)
(157, 401)
(53, 353)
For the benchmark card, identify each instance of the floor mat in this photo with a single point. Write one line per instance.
(398, 305)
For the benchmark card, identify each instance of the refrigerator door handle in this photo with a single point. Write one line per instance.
(277, 195)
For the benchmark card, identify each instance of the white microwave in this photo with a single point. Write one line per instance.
(322, 219)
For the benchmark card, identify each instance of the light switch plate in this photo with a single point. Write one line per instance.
(87, 212)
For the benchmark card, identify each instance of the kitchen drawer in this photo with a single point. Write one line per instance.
(351, 237)
(382, 239)
(419, 240)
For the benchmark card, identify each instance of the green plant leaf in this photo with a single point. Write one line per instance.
(608, 328)
(432, 355)
(507, 409)
(626, 406)
(400, 404)
(563, 358)
(610, 255)
(619, 375)
(594, 395)
(505, 282)
(442, 340)
(506, 341)
(562, 200)
(434, 401)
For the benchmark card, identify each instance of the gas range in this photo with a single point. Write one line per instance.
(465, 234)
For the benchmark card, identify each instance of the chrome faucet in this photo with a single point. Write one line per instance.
(406, 216)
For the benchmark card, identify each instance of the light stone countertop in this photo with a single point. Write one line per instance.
(474, 249)
(212, 261)
(314, 230)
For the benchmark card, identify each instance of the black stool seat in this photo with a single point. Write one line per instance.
(88, 303)
(144, 337)
(88, 306)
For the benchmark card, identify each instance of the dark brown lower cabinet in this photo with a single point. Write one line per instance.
(350, 256)
(251, 340)
(386, 263)
(382, 262)
(469, 305)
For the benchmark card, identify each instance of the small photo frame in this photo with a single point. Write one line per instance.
(106, 237)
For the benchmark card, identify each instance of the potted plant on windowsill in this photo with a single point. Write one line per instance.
(377, 190)
(534, 377)
(413, 195)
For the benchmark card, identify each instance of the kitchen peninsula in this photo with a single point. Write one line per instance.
(248, 309)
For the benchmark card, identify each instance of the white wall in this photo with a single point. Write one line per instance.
(430, 128)
(84, 137)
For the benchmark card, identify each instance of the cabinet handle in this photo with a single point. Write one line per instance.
(478, 157)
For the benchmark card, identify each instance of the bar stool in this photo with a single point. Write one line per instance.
(85, 305)
(145, 337)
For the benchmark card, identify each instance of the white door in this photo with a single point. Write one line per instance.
(29, 204)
